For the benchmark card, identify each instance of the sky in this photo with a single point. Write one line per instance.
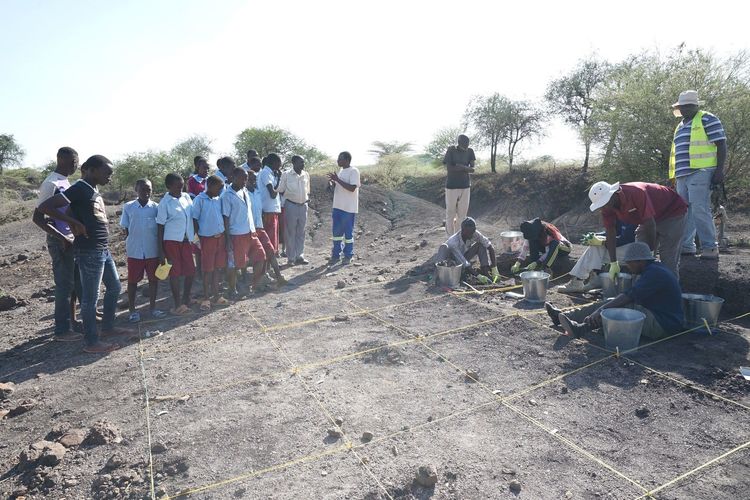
(117, 77)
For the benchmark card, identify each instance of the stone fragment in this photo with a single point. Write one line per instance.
(6, 389)
(334, 433)
(103, 432)
(367, 436)
(426, 476)
(73, 437)
(515, 486)
(24, 406)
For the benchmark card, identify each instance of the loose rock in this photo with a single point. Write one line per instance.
(42, 453)
(367, 436)
(334, 433)
(515, 486)
(158, 448)
(74, 437)
(6, 389)
(533, 402)
(103, 432)
(472, 375)
(339, 421)
(341, 317)
(23, 407)
(426, 476)
(642, 412)
(340, 284)
(115, 462)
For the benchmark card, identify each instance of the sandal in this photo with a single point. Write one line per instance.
(205, 306)
(221, 301)
(180, 311)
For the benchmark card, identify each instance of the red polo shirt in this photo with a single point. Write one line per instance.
(640, 201)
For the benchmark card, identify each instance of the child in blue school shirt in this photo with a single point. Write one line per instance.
(209, 225)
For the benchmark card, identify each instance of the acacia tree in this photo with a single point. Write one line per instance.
(273, 139)
(440, 142)
(187, 149)
(523, 121)
(487, 115)
(382, 148)
(11, 152)
(573, 97)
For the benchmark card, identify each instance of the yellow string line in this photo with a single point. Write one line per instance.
(148, 416)
(693, 471)
(504, 289)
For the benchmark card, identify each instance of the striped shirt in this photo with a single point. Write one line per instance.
(714, 131)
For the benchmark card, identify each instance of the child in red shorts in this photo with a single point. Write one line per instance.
(175, 229)
(237, 210)
(141, 246)
(209, 225)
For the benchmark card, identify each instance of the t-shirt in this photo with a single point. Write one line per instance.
(87, 206)
(237, 206)
(343, 199)
(55, 184)
(456, 156)
(640, 201)
(176, 217)
(715, 132)
(458, 246)
(207, 211)
(267, 178)
(658, 290)
(140, 221)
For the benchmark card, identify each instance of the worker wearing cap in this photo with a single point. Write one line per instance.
(466, 244)
(699, 149)
(656, 294)
(657, 211)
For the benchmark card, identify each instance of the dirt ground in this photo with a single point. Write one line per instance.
(344, 383)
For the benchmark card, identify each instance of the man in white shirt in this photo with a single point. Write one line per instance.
(295, 187)
(345, 207)
(60, 246)
(466, 244)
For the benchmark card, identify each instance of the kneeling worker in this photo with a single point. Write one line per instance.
(543, 244)
(656, 294)
(466, 244)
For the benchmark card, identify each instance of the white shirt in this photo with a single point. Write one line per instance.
(55, 184)
(343, 199)
(140, 221)
(175, 215)
(265, 179)
(458, 246)
(296, 187)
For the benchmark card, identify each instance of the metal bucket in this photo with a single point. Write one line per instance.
(698, 306)
(449, 276)
(511, 241)
(621, 284)
(535, 284)
(622, 328)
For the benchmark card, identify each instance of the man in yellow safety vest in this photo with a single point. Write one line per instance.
(699, 149)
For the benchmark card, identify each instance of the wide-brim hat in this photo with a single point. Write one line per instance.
(638, 251)
(686, 98)
(600, 193)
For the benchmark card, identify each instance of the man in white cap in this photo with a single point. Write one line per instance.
(699, 149)
(656, 294)
(658, 212)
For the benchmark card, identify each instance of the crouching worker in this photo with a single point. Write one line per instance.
(544, 246)
(585, 271)
(656, 294)
(467, 244)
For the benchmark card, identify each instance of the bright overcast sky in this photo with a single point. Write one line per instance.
(115, 77)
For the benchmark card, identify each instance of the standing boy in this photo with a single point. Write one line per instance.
(295, 186)
(345, 207)
(209, 224)
(60, 245)
(267, 184)
(88, 222)
(197, 180)
(141, 246)
(237, 209)
(226, 167)
(175, 229)
(265, 241)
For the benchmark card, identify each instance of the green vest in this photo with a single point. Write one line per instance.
(702, 151)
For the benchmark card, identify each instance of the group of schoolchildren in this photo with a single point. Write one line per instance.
(224, 223)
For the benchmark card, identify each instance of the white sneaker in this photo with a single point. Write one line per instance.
(710, 254)
(575, 285)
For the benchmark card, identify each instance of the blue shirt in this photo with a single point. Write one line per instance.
(714, 131)
(207, 211)
(140, 221)
(255, 197)
(237, 206)
(175, 215)
(658, 290)
(266, 178)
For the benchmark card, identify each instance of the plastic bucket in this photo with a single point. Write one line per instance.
(449, 276)
(697, 307)
(535, 284)
(622, 328)
(511, 241)
(162, 272)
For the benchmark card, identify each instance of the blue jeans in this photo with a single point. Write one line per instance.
(343, 232)
(96, 267)
(63, 271)
(695, 189)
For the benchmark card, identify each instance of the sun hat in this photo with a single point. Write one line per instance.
(687, 97)
(600, 193)
(469, 223)
(638, 251)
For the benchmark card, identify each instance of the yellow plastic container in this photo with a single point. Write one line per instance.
(162, 272)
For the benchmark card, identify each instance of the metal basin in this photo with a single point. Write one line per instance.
(622, 328)
(697, 307)
(511, 241)
(621, 284)
(535, 284)
(449, 276)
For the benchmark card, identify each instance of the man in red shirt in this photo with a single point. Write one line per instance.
(658, 211)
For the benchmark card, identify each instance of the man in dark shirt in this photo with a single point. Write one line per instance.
(88, 223)
(459, 163)
(656, 294)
